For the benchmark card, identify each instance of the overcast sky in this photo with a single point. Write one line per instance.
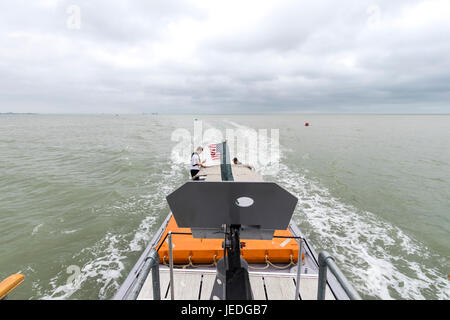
(99, 56)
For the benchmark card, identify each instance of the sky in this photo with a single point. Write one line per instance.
(206, 56)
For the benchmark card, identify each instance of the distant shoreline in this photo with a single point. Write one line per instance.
(16, 113)
(219, 114)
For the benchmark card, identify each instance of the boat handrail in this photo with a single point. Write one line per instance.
(326, 261)
(151, 263)
(172, 290)
(299, 268)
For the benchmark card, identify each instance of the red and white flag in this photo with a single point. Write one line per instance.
(215, 150)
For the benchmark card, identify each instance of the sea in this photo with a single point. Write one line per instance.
(81, 196)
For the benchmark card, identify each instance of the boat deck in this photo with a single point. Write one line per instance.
(192, 284)
(240, 173)
(197, 283)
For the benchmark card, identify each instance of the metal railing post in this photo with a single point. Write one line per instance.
(171, 265)
(323, 256)
(327, 261)
(299, 268)
(151, 262)
(155, 279)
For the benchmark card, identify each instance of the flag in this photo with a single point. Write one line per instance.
(215, 150)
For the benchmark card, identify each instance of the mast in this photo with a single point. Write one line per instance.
(225, 163)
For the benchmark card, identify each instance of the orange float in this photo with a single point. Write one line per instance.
(10, 283)
(187, 249)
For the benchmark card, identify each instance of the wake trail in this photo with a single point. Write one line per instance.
(379, 258)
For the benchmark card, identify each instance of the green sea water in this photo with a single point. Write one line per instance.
(88, 192)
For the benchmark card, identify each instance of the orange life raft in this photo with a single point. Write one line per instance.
(187, 249)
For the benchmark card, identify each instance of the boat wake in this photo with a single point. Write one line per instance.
(104, 265)
(380, 260)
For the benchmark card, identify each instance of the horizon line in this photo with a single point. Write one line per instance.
(253, 113)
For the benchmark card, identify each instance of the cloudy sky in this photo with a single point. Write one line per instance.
(204, 56)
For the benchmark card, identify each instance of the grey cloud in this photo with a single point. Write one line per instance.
(300, 56)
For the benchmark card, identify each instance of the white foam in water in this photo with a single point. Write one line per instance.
(107, 265)
(158, 203)
(36, 229)
(143, 234)
(369, 250)
(69, 231)
(106, 268)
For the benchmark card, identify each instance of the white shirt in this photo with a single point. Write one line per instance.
(195, 158)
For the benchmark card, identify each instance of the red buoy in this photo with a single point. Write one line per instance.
(306, 124)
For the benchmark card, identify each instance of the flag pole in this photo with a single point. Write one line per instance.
(225, 163)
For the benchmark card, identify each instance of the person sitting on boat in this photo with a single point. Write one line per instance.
(196, 164)
(237, 162)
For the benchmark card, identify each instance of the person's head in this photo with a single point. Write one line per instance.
(199, 150)
(235, 160)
